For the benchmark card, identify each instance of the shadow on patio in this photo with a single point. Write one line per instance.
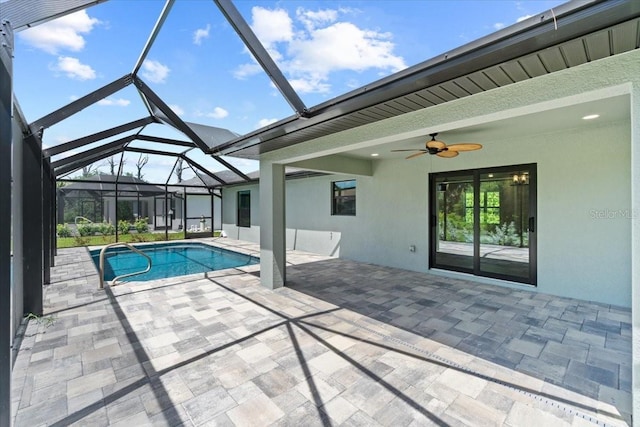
(344, 343)
(577, 345)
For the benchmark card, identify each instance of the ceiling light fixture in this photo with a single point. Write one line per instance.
(591, 117)
(375, 155)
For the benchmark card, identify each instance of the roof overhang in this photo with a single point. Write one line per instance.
(573, 34)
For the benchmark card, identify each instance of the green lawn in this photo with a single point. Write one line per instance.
(70, 242)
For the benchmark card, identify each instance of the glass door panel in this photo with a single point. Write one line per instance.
(160, 214)
(504, 213)
(483, 222)
(454, 222)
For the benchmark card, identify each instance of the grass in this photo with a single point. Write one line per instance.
(71, 242)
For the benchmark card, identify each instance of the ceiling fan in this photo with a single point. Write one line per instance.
(441, 149)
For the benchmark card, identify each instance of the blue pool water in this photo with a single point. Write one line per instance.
(168, 260)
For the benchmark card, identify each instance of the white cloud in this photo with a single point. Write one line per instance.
(522, 18)
(201, 33)
(120, 102)
(312, 19)
(265, 122)
(343, 46)
(271, 26)
(246, 70)
(60, 34)
(176, 109)
(498, 26)
(74, 69)
(321, 44)
(154, 71)
(310, 85)
(218, 113)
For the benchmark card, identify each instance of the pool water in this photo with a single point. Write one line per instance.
(168, 260)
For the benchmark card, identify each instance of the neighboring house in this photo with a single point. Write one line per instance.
(200, 199)
(94, 198)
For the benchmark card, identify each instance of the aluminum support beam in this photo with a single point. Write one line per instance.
(231, 168)
(63, 170)
(90, 139)
(165, 140)
(81, 103)
(261, 55)
(152, 37)
(173, 118)
(150, 151)
(46, 223)
(6, 134)
(32, 229)
(177, 122)
(202, 169)
(93, 153)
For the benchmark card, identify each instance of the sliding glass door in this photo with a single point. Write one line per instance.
(483, 222)
(453, 224)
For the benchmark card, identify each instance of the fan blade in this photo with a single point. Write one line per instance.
(436, 144)
(464, 147)
(410, 149)
(416, 155)
(447, 154)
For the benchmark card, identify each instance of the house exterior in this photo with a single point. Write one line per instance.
(551, 203)
(585, 186)
(586, 209)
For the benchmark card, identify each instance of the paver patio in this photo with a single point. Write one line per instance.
(345, 343)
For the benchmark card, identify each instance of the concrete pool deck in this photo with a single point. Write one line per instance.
(345, 343)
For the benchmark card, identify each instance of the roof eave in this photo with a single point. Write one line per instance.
(569, 21)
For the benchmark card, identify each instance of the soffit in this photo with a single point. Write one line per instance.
(612, 40)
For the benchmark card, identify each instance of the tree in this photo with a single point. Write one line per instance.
(88, 171)
(142, 161)
(112, 165)
(179, 169)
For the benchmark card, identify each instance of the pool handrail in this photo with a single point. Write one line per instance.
(134, 249)
(84, 219)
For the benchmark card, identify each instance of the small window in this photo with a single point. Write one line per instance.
(344, 198)
(244, 208)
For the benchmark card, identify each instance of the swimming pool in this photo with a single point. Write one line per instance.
(168, 260)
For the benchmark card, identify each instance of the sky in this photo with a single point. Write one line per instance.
(200, 67)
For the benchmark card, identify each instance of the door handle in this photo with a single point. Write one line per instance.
(532, 224)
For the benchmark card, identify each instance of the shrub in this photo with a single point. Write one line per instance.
(123, 226)
(141, 225)
(458, 229)
(63, 230)
(107, 229)
(86, 229)
(505, 235)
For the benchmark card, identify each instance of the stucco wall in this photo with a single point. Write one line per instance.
(584, 192)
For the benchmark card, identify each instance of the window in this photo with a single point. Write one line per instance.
(344, 198)
(489, 207)
(244, 208)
